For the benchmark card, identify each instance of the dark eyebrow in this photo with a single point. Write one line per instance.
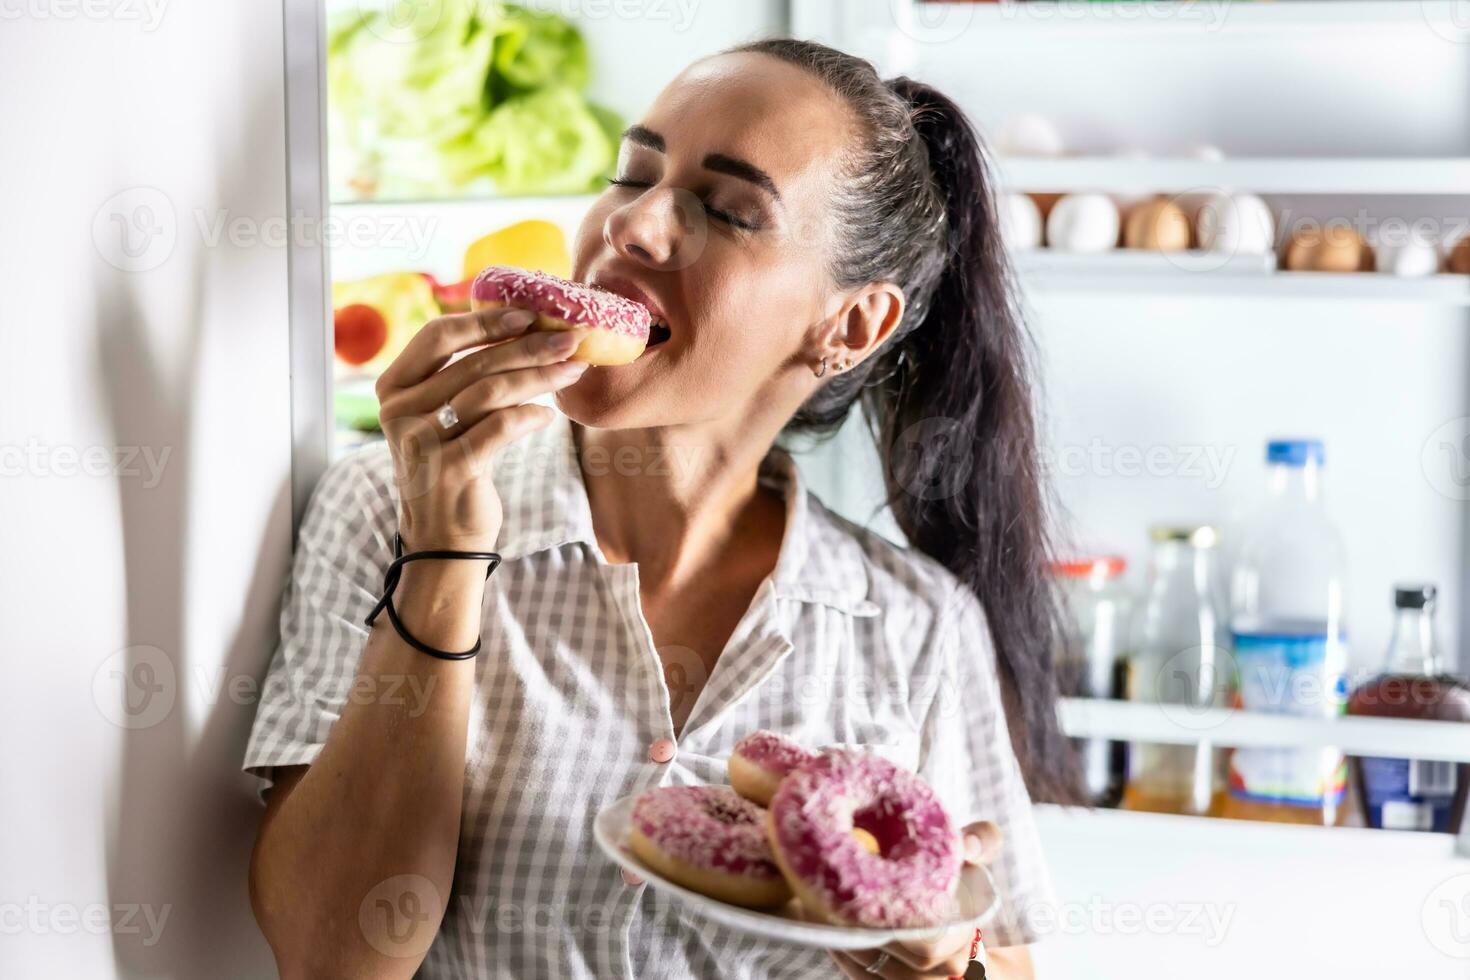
(745, 171)
(644, 136)
(718, 162)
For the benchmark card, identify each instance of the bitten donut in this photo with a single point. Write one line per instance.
(908, 883)
(619, 327)
(760, 760)
(710, 840)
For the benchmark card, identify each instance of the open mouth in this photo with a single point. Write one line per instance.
(658, 330)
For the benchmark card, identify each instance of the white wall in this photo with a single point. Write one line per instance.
(112, 571)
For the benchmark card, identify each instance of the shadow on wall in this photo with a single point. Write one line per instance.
(179, 830)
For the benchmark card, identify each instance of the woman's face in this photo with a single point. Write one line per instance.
(719, 218)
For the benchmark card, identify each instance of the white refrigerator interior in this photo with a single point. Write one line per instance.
(1162, 386)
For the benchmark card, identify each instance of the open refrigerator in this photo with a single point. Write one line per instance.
(1323, 108)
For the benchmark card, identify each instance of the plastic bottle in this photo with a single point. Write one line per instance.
(1290, 641)
(1412, 794)
(1175, 662)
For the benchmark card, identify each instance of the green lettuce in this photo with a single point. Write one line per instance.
(462, 93)
(533, 50)
(547, 142)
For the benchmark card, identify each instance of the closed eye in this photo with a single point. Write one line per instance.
(734, 221)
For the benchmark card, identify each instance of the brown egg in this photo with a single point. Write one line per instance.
(1159, 224)
(1459, 261)
(1044, 203)
(1331, 247)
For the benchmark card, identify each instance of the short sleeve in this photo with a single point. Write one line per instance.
(342, 551)
(966, 755)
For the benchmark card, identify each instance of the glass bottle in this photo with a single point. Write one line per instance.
(1412, 794)
(1176, 662)
(1089, 664)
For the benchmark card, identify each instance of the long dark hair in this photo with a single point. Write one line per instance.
(948, 397)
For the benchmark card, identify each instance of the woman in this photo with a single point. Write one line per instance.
(812, 236)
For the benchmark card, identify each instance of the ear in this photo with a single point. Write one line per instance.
(866, 320)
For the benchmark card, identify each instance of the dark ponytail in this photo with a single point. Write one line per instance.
(948, 397)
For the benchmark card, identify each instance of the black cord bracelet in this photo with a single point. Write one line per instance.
(390, 582)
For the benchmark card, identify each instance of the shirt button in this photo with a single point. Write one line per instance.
(662, 750)
(629, 878)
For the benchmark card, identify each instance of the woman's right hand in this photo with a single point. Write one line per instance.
(447, 497)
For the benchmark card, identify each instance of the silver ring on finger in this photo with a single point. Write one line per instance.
(447, 417)
(876, 967)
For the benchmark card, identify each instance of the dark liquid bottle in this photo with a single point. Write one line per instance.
(1412, 794)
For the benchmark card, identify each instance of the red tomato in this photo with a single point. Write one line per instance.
(360, 332)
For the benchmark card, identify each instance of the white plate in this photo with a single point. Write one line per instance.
(977, 899)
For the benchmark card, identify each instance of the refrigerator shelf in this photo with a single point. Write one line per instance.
(1181, 725)
(1146, 273)
(1417, 176)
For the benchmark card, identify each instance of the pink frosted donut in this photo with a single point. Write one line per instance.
(710, 840)
(908, 883)
(760, 760)
(618, 326)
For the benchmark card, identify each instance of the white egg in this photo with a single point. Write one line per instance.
(1029, 135)
(1407, 258)
(1083, 223)
(1020, 222)
(1237, 224)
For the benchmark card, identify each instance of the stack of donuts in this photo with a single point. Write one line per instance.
(857, 840)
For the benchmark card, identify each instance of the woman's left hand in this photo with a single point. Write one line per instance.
(944, 955)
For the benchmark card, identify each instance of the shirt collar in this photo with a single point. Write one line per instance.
(546, 506)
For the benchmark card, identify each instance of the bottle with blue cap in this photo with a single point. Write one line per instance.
(1289, 638)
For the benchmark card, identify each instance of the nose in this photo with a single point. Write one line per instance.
(650, 230)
